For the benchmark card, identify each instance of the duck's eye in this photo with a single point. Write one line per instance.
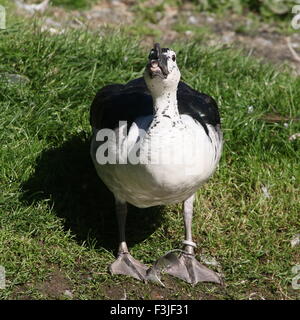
(173, 57)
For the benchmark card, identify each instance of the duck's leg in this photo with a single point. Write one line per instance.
(184, 266)
(125, 263)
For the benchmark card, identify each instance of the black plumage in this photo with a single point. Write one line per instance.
(118, 102)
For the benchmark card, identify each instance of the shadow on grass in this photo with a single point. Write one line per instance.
(67, 177)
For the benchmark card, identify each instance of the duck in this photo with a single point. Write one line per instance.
(156, 141)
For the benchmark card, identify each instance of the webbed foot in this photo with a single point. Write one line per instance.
(185, 267)
(127, 265)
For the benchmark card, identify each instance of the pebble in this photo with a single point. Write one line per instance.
(250, 109)
(210, 19)
(52, 30)
(296, 240)
(294, 136)
(189, 33)
(192, 20)
(266, 192)
(228, 37)
(209, 260)
(14, 78)
(68, 294)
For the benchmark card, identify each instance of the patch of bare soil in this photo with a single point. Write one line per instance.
(56, 287)
(19, 293)
(173, 290)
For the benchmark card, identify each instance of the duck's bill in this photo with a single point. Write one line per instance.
(155, 70)
(158, 65)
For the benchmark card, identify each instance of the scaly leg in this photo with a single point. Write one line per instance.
(125, 263)
(185, 267)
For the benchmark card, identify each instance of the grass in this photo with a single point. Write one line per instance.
(74, 4)
(57, 226)
(69, 4)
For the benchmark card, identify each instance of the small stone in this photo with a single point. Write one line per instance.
(14, 78)
(189, 33)
(228, 37)
(294, 136)
(296, 240)
(68, 294)
(256, 296)
(210, 19)
(250, 109)
(266, 192)
(192, 20)
(209, 260)
(52, 30)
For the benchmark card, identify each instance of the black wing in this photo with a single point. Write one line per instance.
(127, 102)
(116, 102)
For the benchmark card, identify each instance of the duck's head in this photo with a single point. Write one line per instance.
(161, 72)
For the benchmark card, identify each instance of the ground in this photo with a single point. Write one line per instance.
(58, 232)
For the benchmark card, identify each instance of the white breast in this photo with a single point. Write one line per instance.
(169, 164)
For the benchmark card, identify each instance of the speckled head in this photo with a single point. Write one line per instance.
(161, 71)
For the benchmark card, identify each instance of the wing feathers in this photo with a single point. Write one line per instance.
(117, 102)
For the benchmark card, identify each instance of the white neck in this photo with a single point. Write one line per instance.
(166, 107)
